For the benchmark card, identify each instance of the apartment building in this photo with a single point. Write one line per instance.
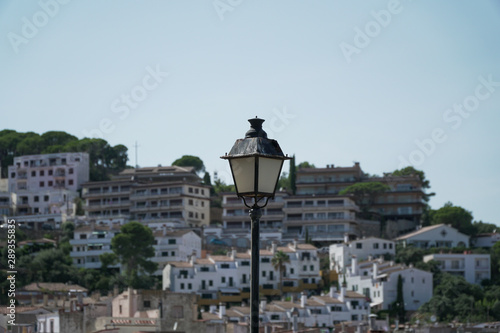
(404, 201)
(378, 279)
(341, 254)
(473, 267)
(323, 218)
(157, 194)
(47, 184)
(90, 241)
(227, 278)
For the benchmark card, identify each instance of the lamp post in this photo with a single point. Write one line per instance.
(256, 163)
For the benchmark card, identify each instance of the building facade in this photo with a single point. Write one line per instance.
(473, 267)
(439, 235)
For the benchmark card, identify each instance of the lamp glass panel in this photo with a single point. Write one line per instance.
(244, 173)
(269, 172)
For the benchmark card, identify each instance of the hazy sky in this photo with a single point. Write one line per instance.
(385, 83)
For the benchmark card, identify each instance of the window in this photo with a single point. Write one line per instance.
(263, 273)
(164, 254)
(311, 268)
(36, 198)
(147, 304)
(172, 241)
(172, 253)
(120, 307)
(51, 183)
(304, 268)
(275, 317)
(51, 172)
(190, 190)
(225, 266)
(245, 263)
(13, 175)
(33, 173)
(42, 173)
(359, 245)
(292, 270)
(182, 286)
(70, 171)
(83, 236)
(190, 286)
(390, 245)
(42, 184)
(265, 260)
(204, 269)
(210, 283)
(70, 182)
(385, 245)
(190, 202)
(375, 245)
(223, 279)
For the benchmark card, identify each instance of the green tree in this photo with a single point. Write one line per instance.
(409, 170)
(481, 227)
(365, 194)
(278, 261)
(456, 216)
(134, 246)
(192, 161)
(305, 165)
(400, 302)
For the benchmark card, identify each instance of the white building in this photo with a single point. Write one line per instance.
(227, 278)
(316, 311)
(473, 267)
(91, 241)
(486, 240)
(341, 253)
(378, 280)
(439, 235)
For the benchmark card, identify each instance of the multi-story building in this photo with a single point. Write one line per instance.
(90, 241)
(323, 218)
(341, 254)
(486, 239)
(439, 235)
(47, 184)
(403, 202)
(227, 278)
(378, 280)
(473, 267)
(156, 194)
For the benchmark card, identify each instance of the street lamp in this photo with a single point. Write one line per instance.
(256, 163)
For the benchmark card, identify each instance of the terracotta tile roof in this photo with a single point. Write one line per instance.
(274, 308)
(21, 309)
(210, 316)
(203, 262)
(306, 247)
(180, 264)
(353, 294)
(233, 313)
(286, 249)
(265, 253)
(312, 302)
(50, 286)
(221, 258)
(37, 241)
(418, 232)
(285, 304)
(327, 299)
(245, 310)
(243, 255)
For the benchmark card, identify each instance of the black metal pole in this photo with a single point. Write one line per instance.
(255, 214)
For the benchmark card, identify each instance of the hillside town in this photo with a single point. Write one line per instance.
(163, 249)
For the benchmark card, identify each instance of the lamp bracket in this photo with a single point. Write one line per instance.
(256, 201)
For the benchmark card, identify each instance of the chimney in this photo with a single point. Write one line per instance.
(303, 299)
(375, 269)
(222, 310)
(346, 238)
(33, 300)
(213, 308)
(295, 241)
(164, 230)
(333, 290)
(342, 293)
(233, 253)
(274, 247)
(45, 299)
(354, 265)
(263, 304)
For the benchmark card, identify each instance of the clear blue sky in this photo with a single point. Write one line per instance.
(336, 81)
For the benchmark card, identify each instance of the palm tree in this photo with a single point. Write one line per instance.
(278, 261)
